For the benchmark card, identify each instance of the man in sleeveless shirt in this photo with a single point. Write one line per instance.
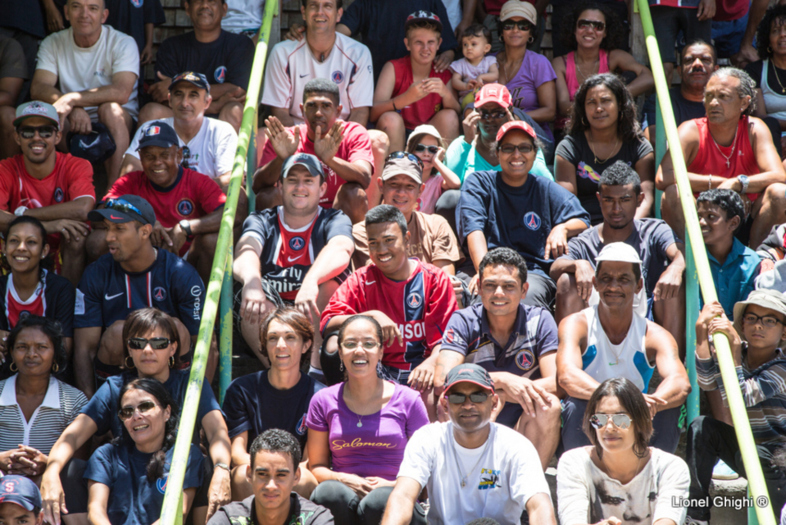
(728, 149)
(611, 340)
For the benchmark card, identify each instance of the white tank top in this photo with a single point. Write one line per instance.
(603, 360)
(774, 103)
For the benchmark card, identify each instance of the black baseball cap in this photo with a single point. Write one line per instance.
(158, 133)
(197, 79)
(21, 491)
(125, 208)
(469, 373)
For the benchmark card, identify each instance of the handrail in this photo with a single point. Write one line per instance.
(739, 414)
(172, 510)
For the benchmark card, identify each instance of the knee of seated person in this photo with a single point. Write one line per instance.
(109, 112)
(110, 349)
(390, 121)
(268, 197)
(330, 346)
(775, 192)
(205, 241)
(153, 111)
(566, 284)
(7, 116)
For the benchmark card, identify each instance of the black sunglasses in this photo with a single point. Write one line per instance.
(431, 149)
(521, 24)
(508, 149)
(156, 343)
(127, 413)
(28, 132)
(405, 155)
(595, 24)
(491, 115)
(601, 420)
(459, 399)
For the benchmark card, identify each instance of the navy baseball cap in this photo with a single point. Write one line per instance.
(125, 208)
(197, 79)
(159, 134)
(20, 490)
(310, 162)
(469, 373)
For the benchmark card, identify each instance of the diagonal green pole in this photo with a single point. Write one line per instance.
(225, 338)
(737, 407)
(172, 510)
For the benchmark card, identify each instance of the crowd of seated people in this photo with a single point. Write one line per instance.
(454, 278)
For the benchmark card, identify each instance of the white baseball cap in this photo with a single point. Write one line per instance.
(620, 252)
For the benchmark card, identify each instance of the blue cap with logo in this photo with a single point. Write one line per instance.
(197, 79)
(21, 491)
(158, 133)
(310, 162)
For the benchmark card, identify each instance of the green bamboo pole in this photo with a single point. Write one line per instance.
(728, 373)
(225, 356)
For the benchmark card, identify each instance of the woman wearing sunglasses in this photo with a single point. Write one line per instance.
(128, 477)
(594, 33)
(360, 428)
(619, 478)
(602, 130)
(32, 396)
(151, 351)
(426, 144)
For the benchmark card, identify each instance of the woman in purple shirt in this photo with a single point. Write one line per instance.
(361, 427)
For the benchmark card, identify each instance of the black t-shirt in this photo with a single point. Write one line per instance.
(755, 70)
(252, 404)
(27, 16)
(577, 151)
(130, 17)
(684, 109)
(301, 512)
(226, 59)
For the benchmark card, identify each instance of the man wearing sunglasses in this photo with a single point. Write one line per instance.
(473, 468)
(55, 188)
(133, 275)
(611, 340)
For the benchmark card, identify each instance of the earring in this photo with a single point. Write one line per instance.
(129, 367)
(530, 39)
(55, 368)
(171, 361)
(341, 366)
(12, 365)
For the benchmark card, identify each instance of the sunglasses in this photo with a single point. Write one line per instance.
(459, 399)
(127, 413)
(367, 345)
(521, 24)
(595, 24)
(122, 205)
(508, 149)
(156, 343)
(767, 321)
(599, 421)
(405, 155)
(492, 115)
(28, 132)
(186, 156)
(420, 148)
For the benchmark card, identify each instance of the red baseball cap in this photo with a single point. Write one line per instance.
(496, 93)
(516, 124)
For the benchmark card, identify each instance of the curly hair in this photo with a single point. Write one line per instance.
(747, 87)
(276, 440)
(774, 14)
(727, 200)
(615, 29)
(628, 127)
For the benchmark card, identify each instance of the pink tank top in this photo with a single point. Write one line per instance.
(570, 70)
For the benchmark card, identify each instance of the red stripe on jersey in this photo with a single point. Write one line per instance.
(14, 306)
(295, 245)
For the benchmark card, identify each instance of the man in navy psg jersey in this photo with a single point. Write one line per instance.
(134, 274)
(295, 254)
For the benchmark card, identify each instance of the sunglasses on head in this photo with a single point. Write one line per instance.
(122, 205)
(431, 149)
(156, 343)
(405, 155)
(595, 24)
(521, 24)
(599, 421)
(127, 413)
(459, 399)
(28, 132)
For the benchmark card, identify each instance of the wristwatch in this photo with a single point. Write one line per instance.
(186, 227)
(744, 182)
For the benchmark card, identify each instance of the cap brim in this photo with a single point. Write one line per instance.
(115, 216)
(481, 385)
(158, 143)
(18, 500)
(181, 81)
(311, 170)
(25, 117)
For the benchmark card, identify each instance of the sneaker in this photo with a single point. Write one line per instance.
(692, 521)
(723, 472)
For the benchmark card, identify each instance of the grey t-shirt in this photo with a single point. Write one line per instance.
(650, 238)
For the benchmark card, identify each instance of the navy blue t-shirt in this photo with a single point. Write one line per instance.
(252, 404)
(107, 293)
(519, 218)
(381, 24)
(26, 16)
(105, 404)
(58, 303)
(130, 17)
(133, 499)
(226, 59)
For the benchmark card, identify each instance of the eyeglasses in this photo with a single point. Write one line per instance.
(28, 132)
(492, 115)
(601, 420)
(186, 156)
(767, 321)
(459, 399)
(122, 205)
(367, 345)
(431, 149)
(127, 413)
(508, 149)
(405, 155)
(595, 24)
(156, 343)
(523, 25)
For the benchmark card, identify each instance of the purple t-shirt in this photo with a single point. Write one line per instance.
(377, 447)
(535, 70)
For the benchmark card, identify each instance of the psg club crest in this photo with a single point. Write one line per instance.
(185, 207)
(137, 3)
(161, 484)
(58, 194)
(414, 300)
(221, 74)
(301, 426)
(524, 360)
(532, 221)
(337, 77)
(297, 243)
(159, 293)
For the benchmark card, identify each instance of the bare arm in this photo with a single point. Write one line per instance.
(319, 456)
(675, 386)
(240, 454)
(220, 491)
(86, 341)
(770, 166)
(360, 115)
(747, 52)
(118, 91)
(98, 499)
(447, 361)
(563, 94)
(565, 174)
(130, 164)
(477, 246)
(541, 510)
(332, 260)
(570, 374)
(644, 81)
(247, 269)
(547, 100)
(76, 210)
(383, 94)
(210, 223)
(492, 76)
(548, 373)
(42, 87)
(401, 502)
(282, 114)
(358, 171)
(9, 90)
(645, 167)
(689, 138)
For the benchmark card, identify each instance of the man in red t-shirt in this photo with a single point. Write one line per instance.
(53, 187)
(410, 92)
(411, 300)
(188, 205)
(343, 148)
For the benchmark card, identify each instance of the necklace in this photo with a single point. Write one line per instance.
(597, 160)
(360, 420)
(778, 77)
(733, 147)
(470, 471)
(580, 72)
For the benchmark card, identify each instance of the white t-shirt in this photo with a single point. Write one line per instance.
(453, 7)
(507, 475)
(211, 151)
(243, 15)
(83, 68)
(292, 65)
(587, 495)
